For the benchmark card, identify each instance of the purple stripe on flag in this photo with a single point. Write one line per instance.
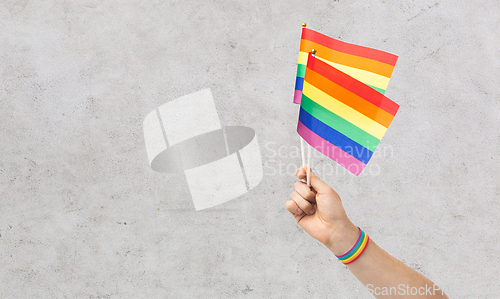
(336, 154)
(297, 97)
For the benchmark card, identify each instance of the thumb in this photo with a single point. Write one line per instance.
(316, 182)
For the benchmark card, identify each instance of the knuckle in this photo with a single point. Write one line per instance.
(306, 205)
(311, 196)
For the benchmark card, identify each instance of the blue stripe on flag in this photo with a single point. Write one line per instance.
(334, 137)
(299, 83)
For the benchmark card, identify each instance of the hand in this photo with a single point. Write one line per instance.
(319, 211)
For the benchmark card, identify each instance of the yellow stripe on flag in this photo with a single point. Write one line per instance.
(366, 77)
(351, 115)
(303, 58)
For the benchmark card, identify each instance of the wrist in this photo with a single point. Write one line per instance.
(343, 238)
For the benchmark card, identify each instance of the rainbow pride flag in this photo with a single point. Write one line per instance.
(370, 66)
(342, 117)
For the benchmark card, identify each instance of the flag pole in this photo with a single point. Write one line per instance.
(302, 151)
(308, 171)
(308, 165)
(302, 148)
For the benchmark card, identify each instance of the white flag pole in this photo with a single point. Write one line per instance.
(309, 165)
(302, 151)
(308, 171)
(302, 148)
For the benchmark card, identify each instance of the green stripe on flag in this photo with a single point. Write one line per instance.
(382, 91)
(301, 70)
(338, 123)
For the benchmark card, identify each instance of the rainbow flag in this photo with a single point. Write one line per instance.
(370, 66)
(342, 117)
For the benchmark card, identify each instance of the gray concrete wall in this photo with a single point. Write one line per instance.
(82, 215)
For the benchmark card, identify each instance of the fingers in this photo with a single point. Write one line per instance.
(316, 182)
(300, 173)
(293, 208)
(305, 191)
(302, 203)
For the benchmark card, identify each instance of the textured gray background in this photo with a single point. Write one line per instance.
(82, 215)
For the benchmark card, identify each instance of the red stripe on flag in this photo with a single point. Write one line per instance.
(351, 84)
(352, 49)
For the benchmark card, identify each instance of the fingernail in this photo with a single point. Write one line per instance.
(311, 212)
(299, 211)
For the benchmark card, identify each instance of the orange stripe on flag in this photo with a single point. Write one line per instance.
(358, 62)
(350, 99)
(355, 86)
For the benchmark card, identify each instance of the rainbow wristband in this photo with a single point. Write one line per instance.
(357, 250)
